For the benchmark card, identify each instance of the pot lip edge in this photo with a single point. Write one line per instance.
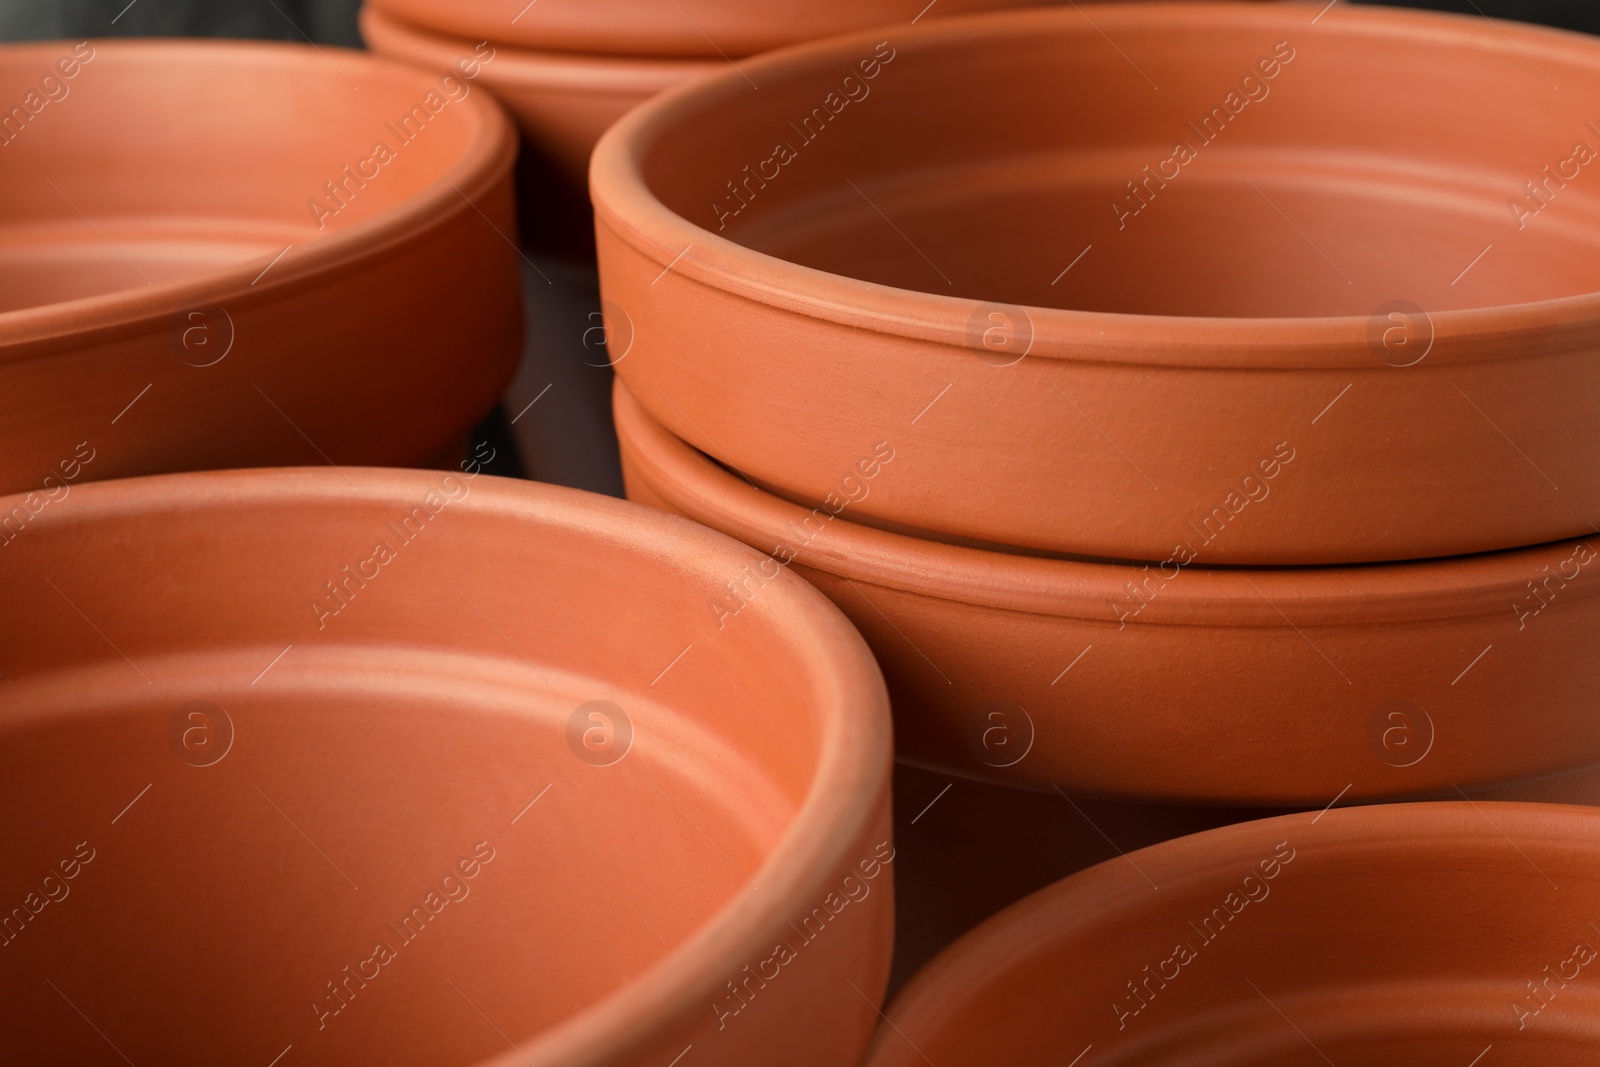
(658, 233)
(1071, 589)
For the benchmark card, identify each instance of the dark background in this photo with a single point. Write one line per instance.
(334, 21)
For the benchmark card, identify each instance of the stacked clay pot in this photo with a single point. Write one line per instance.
(1208, 435)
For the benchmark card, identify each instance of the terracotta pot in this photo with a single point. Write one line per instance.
(511, 786)
(562, 102)
(193, 292)
(966, 849)
(1338, 276)
(711, 29)
(1211, 686)
(1355, 936)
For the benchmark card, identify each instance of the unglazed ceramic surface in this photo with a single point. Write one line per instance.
(1179, 683)
(1387, 936)
(1095, 294)
(562, 102)
(230, 254)
(407, 767)
(710, 29)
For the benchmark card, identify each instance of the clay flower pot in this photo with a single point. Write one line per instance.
(563, 102)
(1179, 684)
(710, 29)
(1358, 936)
(223, 255)
(1092, 317)
(420, 768)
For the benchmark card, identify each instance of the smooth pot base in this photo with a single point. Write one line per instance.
(1386, 936)
(1181, 684)
(280, 708)
(1088, 292)
(303, 261)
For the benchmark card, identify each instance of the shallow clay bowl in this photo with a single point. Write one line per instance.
(408, 770)
(181, 288)
(1192, 685)
(927, 234)
(563, 102)
(711, 29)
(1385, 936)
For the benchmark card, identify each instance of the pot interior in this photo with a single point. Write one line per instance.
(1293, 169)
(1292, 942)
(400, 842)
(154, 163)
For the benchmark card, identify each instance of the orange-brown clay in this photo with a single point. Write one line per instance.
(563, 102)
(1179, 683)
(407, 767)
(229, 254)
(1094, 271)
(1386, 936)
(707, 29)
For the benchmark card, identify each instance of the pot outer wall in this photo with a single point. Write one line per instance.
(1227, 701)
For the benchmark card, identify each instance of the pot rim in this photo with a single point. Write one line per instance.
(1073, 907)
(628, 209)
(852, 768)
(1357, 594)
(551, 68)
(486, 160)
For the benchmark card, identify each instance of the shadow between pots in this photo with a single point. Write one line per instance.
(968, 849)
(557, 409)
